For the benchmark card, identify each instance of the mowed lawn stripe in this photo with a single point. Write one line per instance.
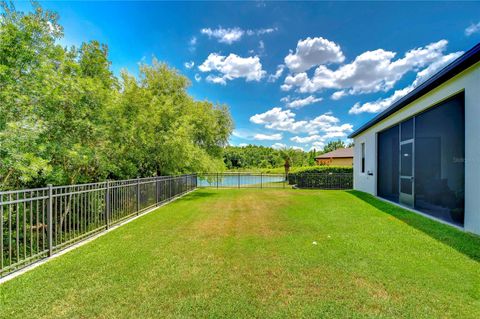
(261, 253)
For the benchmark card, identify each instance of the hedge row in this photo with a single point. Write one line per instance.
(325, 177)
(322, 180)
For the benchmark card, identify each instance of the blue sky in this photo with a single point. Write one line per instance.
(295, 74)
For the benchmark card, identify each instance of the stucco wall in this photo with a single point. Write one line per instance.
(346, 161)
(467, 81)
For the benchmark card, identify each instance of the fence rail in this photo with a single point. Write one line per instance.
(35, 223)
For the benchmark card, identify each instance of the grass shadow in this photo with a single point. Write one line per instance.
(198, 194)
(465, 243)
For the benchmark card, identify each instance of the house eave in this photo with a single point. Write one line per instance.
(469, 58)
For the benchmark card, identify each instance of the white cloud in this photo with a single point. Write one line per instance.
(299, 103)
(297, 148)
(473, 28)
(313, 51)
(371, 71)
(268, 137)
(198, 78)
(189, 64)
(338, 95)
(243, 144)
(230, 35)
(307, 139)
(317, 146)
(192, 44)
(261, 31)
(284, 120)
(216, 79)
(278, 73)
(278, 146)
(382, 104)
(232, 67)
(278, 119)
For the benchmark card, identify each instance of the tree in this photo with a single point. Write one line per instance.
(65, 118)
(333, 145)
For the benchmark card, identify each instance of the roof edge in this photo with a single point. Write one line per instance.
(462, 63)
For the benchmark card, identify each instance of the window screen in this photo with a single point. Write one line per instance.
(388, 164)
(439, 161)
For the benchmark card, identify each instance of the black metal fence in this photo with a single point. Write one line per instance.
(35, 223)
(242, 180)
(260, 180)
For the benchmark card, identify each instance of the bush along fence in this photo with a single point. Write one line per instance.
(317, 180)
(321, 180)
(35, 223)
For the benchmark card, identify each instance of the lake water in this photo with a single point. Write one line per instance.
(244, 180)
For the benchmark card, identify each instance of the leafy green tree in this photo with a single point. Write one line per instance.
(333, 145)
(65, 118)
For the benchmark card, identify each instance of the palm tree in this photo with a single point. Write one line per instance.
(286, 153)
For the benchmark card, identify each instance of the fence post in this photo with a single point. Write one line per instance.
(285, 179)
(138, 196)
(157, 191)
(261, 180)
(238, 180)
(217, 180)
(49, 220)
(107, 204)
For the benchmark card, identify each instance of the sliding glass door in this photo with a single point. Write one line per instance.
(421, 161)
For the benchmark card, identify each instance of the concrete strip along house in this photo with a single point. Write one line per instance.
(423, 152)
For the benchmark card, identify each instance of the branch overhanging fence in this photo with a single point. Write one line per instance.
(35, 223)
(320, 180)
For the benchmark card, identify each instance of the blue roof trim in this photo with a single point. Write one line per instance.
(465, 61)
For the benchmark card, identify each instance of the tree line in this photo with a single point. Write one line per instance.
(65, 118)
(254, 156)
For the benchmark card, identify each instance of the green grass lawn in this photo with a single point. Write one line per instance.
(250, 253)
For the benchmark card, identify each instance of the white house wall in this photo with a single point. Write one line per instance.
(467, 81)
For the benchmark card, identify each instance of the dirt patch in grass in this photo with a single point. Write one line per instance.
(249, 215)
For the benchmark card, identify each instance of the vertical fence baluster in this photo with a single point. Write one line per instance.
(49, 220)
(1, 232)
(107, 204)
(138, 196)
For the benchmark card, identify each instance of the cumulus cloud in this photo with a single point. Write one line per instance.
(371, 71)
(299, 103)
(228, 35)
(473, 28)
(189, 64)
(278, 146)
(284, 120)
(268, 137)
(382, 104)
(232, 67)
(198, 78)
(307, 139)
(338, 95)
(231, 35)
(317, 146)
(311, 52)
(278, 73)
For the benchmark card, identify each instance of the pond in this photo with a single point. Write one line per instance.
(241, 180)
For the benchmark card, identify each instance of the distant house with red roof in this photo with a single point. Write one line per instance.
(338, 157)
